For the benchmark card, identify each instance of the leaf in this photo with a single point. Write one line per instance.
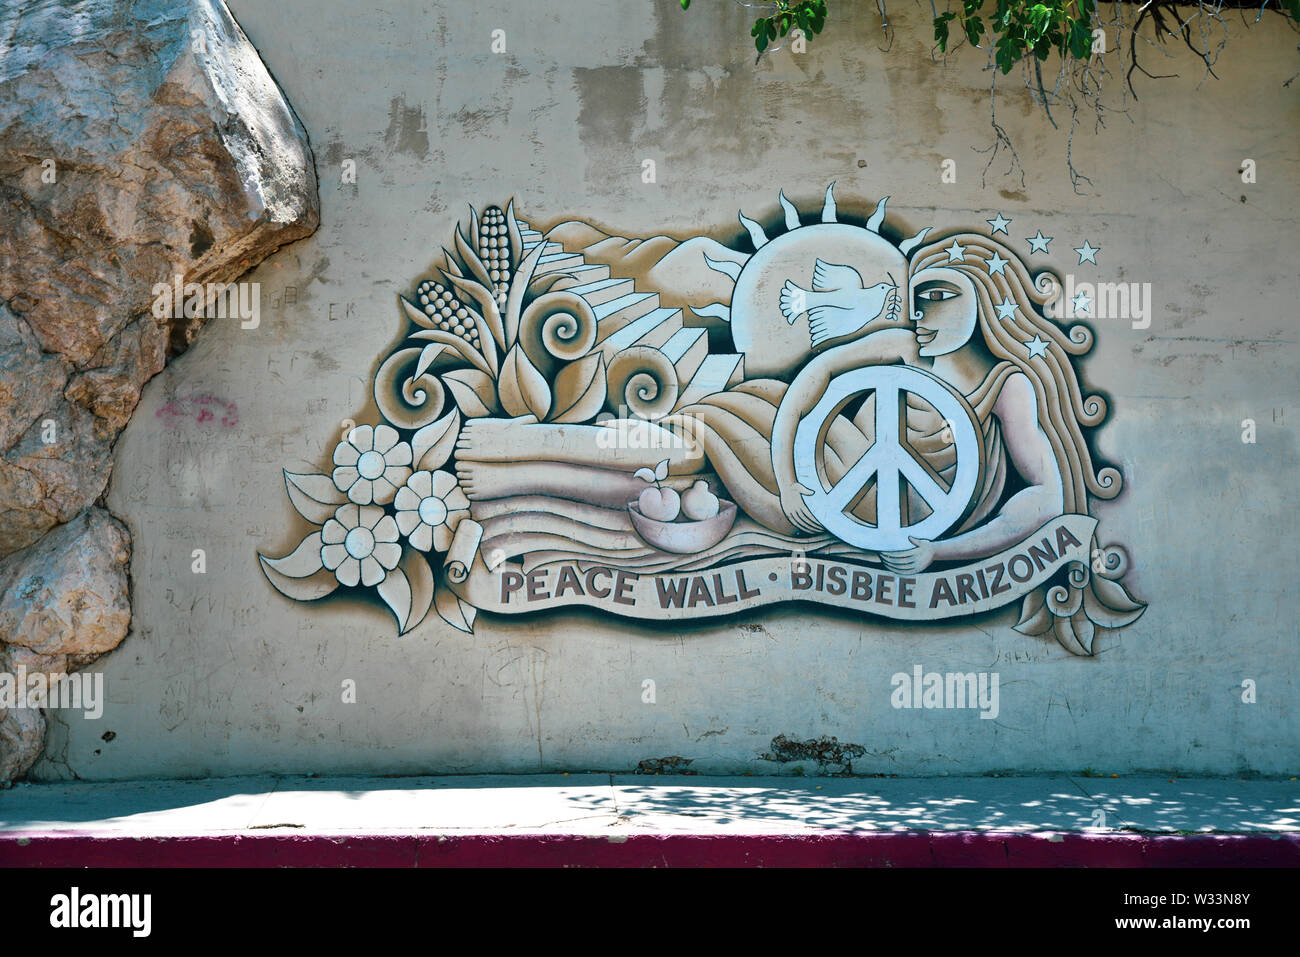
(314, 496)
(430, 355)
(302, 562)
(1075, 634)
(310, 588)
(453, 269)
(432, 445)
(518, 287)
(1035, 617)
(645, 475)
(420, 577)
(471, 260)
(462, 348)
(522, 388)
(661, 470)
(580, 389)
(516, 238)
(453, 611)
(395, 590)
(415, 313)
(474, 391)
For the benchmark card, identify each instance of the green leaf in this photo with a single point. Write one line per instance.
(760, 41)
(686, 4)
(974, 27)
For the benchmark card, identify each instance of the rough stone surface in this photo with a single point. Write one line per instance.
(139, 141)
(68, 593)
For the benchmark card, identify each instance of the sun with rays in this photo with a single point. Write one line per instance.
(812, 284)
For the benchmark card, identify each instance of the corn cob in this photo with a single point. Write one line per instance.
(494, 251)
(447, 312)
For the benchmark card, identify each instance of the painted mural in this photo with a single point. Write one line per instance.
(673, 430)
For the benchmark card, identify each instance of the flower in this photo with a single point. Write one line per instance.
(360, 544)
(429, 507)
(371, 464)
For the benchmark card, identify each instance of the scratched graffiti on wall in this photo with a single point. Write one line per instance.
(679, 430)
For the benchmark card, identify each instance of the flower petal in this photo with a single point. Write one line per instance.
(421, 483)
(443, 482)
(349, 515)
(385, 530)
(406, 521)
(372, 573)
(385, 490)
(363, 437)
(332, 556)
(362, 491)
(370, 516)
(399, 454)
(345, 477)
(333, 532)
(455, 499)
(385, 438)
(442, 538)
(397, 474)
(422, 538)
(407, 500)
(345, 453)
(349, 572)
(388, 554)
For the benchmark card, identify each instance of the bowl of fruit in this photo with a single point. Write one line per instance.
(682, 523)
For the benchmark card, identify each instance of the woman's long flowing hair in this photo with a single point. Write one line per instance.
(1062, 408)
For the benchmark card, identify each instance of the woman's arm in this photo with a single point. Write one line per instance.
(1031, 454)
(888, 345)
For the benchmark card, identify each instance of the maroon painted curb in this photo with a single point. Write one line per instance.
(832, 849)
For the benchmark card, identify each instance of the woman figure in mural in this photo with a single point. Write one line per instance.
(974, 326)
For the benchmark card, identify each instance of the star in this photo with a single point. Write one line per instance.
(996, 263)
(1008, 308)
(1038, 244)
(1082, 303)
(1037, 347)
(999, 225)
(1087, 254)
(955, 252)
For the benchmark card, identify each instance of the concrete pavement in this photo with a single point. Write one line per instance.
(632, 819)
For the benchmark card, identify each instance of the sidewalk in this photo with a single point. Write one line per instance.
(642, 820)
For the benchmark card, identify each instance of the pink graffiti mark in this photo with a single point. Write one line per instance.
(201, 409)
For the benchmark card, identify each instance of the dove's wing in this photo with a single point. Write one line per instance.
(829, 276)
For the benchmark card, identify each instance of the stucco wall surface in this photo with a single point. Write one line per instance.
(221, 675)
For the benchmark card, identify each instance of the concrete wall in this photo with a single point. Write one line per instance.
(221, 675)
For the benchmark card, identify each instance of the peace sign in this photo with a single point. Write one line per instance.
(889, 461)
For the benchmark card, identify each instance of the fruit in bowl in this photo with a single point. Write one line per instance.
(699, 503)
(659, 503)
(683, 524)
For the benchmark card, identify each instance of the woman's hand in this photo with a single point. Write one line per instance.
(796, 509)
(910, 560)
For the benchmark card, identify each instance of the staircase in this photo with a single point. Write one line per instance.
(626, 318)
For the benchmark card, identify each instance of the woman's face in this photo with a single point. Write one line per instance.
(944, 308)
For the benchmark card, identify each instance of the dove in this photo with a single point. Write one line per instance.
(837, 305)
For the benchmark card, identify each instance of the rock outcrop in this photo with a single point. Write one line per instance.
(139, 141)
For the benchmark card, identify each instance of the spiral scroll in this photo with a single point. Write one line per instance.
(557, 327)
(408, 401)
(642, 382)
